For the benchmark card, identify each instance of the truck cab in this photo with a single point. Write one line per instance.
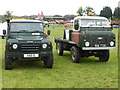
(26, 40)
(91, 36)
(93, 33)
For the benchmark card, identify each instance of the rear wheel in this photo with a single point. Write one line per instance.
(8, 63)
(48, 62)
(104, 56)
(75, 54)
(60, 49)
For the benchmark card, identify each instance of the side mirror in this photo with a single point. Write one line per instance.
(4, 32)
(48, 32)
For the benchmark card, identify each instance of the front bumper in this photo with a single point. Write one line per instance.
(21, 54)
(98, 48)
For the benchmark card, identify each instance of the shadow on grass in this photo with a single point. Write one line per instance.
(28, 65)
(83, 60)
(65, 59)
(89, 60)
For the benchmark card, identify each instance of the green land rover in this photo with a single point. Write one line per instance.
(91, 36)
(26, 40)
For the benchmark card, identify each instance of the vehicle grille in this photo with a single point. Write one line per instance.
(30, 47)
(100, 42)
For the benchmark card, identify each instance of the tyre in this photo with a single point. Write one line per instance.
(60, 49)
(104, 56)
(8, 63)
(48, 62)
(75, 54)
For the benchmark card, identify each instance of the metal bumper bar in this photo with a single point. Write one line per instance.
(97, 48)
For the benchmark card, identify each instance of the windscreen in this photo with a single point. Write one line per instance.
(28, 26)
(95, 23)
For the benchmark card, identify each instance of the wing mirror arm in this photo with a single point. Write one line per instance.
(4, 33)
(111, 26)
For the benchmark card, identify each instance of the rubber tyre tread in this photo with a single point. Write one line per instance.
(48, 62)
(60, 47)
(105, 56)
(77, 54)
(8, 63)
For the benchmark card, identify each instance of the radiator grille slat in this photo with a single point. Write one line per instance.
(30, 47)
(97, 41)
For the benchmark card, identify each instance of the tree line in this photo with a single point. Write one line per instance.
(105, 12)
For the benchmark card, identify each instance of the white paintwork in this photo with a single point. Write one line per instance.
(89, 17)
(97, 48)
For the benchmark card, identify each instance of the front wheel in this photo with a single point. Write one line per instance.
(48, 62)
(8, 63)
(75, 54)
(60, 49)
(104, 56)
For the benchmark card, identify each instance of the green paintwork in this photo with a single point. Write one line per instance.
(94, 31)
(91, 33)
(26, 37)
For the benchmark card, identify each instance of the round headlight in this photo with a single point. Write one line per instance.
(15, 46)
(87, 44)
(44, 45)
(111, 43)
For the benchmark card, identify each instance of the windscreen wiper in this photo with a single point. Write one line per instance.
(37, 31)
(23, 31)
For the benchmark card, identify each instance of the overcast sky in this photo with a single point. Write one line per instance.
(53, 7)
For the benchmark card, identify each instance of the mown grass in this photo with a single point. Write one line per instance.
(89, 73)
(0, 64)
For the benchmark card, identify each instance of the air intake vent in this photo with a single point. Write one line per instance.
(30, 47)
(99, 41)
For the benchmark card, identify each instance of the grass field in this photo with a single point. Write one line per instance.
(0, 64)
(89, 73)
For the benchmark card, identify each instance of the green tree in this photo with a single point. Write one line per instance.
(89, 9)
(117, 13)
(85, 11)
(57, 16)
(8, 15)
(106, 12)
(80, 11)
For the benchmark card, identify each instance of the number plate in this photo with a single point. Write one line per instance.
(100, 45)
(30, 55)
